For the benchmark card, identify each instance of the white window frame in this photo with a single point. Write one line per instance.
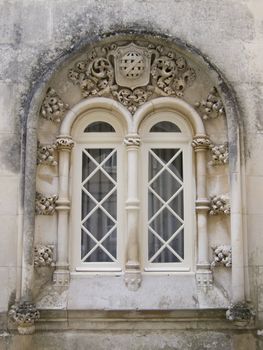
(96, 140)
(160, 140)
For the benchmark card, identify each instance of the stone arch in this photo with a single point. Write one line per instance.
(234, 127)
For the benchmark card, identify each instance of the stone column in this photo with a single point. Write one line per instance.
(132, 266)
(203, 274)
(64, 146)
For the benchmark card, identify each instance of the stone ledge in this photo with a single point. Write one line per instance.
(100, 320)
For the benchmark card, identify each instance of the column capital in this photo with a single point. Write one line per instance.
(64, 143)
(132, 140)
(201, 142)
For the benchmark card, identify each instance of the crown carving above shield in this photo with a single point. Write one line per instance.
(132, 66)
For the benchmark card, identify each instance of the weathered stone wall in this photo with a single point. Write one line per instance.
(36, 37)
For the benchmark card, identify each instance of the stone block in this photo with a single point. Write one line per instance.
(8, 246)
(9, 24)
(254, 185)
(255, 242)
(9, 154)
(36, 22)
(4, 289)
(9, 195)
(7, 107)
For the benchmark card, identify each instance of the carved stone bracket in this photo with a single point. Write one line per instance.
(44, 255)
(240, 313)
(220, 154)
(219, 204)
(201, 142)
(133, 280)
(45, 154)
(212, 107)
(132, 140)
(45, 205)
(64, 143)
(24, 315)
(53, 108)
(204, 280)
(132, 74)
(222, 256)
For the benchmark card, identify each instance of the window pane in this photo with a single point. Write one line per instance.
(165, 206)
(99, 205)
(99, 127)
(165, 127)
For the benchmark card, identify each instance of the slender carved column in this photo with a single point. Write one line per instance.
(61, 275)
(204, 275)
(133, 273)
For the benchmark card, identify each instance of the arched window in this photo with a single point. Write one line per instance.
(167, 193)
(97, 187)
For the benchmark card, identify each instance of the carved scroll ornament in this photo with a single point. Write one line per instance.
(220, 154)
(44, 255)
(53, 108)
(219, 205)
(45, 205)
(24, 315)
(212, 107)
(222, 256)
(132, 74)
(45, 154)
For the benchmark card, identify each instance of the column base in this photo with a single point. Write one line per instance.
(133, 276)
(240, 313)
(204, 280)
(61, 277)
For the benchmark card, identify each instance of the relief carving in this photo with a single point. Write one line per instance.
(44, 255)
(219, 205)
(240, 313)
(201, 142)
(53, 108)
(220, 154)
(45, 154)
(24, 315)
(45, 205)
(123, 72)
(212, 107)
(64, 143)
(132, 140)
(222, 256)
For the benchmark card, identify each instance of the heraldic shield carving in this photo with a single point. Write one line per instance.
(132, 66)
(132, 74)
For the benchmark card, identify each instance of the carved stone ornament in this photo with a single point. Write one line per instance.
(45, 205)
(220, 154)
(212, 107)
(240, 313)
(219, 205)
(44, 255)
(133, 281)
(24, 315)
(201, 142)
(222, 256)
(53, 108)
(204, 280)
(132, 73)
(132, 140)
(64, 143)
(45, 154)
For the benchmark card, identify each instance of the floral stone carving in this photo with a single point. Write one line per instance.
(24, 315)
(45, 154)
(44, 255)
(219, 205)
(212, 107)
(64, 143)
(132, 74)
(222, 256)
(240, 312)
(53, 108)
(45, 205)
(220, 154)
(132, 140)
(201, 142)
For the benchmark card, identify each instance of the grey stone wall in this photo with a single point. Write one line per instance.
(37, 36)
